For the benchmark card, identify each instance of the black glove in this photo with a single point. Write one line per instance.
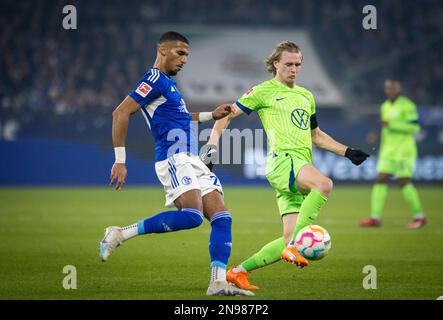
(209, 155)
(356, 156)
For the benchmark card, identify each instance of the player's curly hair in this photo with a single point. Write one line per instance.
(276, 54)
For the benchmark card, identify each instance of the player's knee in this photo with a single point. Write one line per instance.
(403, 182)
(195, 204)
(325, 186)
(383, 178)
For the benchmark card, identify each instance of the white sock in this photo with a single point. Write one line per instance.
(130, 231)
(239, 268)
(420, 215)
(218, 274)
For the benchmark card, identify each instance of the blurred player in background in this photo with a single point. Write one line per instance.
(397, 156)
(288, 115)
(188, 183)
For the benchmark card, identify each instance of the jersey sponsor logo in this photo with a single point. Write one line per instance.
(143, 89)
(182, 106)
(300, 118)
(186, 180)
(248, 92)
(166, 227)
(229, 244)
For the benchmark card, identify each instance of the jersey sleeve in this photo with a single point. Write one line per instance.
(411, 114)
(409, 120)
(383, 114)
(250, 101)
(148, 88)
(313, 118)
(313, 105)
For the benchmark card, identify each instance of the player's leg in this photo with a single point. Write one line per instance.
(386, 167)
(220, 239)
(187, 216)
(281, 173)
(182, 190)
(405, 171)
(288, 204)
(267, 255)
(271, 252)
(378, 197)
(220, 244)
(318, 187)
(289, 221)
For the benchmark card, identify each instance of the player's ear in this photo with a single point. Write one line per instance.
(162, 49)
(275, 63)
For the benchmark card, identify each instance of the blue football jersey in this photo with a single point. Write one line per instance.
(165, 112)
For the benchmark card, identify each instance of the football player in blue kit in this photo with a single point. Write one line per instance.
(189, 185)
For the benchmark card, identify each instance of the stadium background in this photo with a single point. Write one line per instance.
(59, 88)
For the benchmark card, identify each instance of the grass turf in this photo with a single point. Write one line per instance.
(44, 229)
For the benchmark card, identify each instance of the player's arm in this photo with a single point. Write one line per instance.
(221, 124)
(220, 112)
(120, 123)
(323, 141)
(209, 153)
(145, 92)
(247, 103)
(409, 124)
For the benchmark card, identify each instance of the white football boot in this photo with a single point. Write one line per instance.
(224, 288)
(112, 239)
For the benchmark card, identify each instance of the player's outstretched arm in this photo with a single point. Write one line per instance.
(220, 112)
(120, 123)
(209, 152)
(408, 123)
(323, 141)
(408, 126)
(221, 124)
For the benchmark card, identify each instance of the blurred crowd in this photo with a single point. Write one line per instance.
(48, 69)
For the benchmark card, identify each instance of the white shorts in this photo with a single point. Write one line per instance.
(183, 172)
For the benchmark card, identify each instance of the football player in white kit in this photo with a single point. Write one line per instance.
(190, 186)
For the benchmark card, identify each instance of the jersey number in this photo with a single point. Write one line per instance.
(215, 181)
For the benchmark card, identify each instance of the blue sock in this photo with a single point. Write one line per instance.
(174, 220)
(220, 241)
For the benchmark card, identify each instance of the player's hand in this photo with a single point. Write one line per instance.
(118, 175)
(384, 124)
(356, 156)
(221, 111)
(209, 155)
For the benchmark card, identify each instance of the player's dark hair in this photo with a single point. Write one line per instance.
(172, 36)
(276, 54)
(392, 79)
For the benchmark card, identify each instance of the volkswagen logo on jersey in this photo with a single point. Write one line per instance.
(186, 180)
(300, 118)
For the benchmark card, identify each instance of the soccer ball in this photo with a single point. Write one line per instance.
(313, 242)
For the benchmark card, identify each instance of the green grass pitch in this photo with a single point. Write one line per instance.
(44, 229)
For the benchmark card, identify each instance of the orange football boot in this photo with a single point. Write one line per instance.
(240, 279)
(291, 255)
